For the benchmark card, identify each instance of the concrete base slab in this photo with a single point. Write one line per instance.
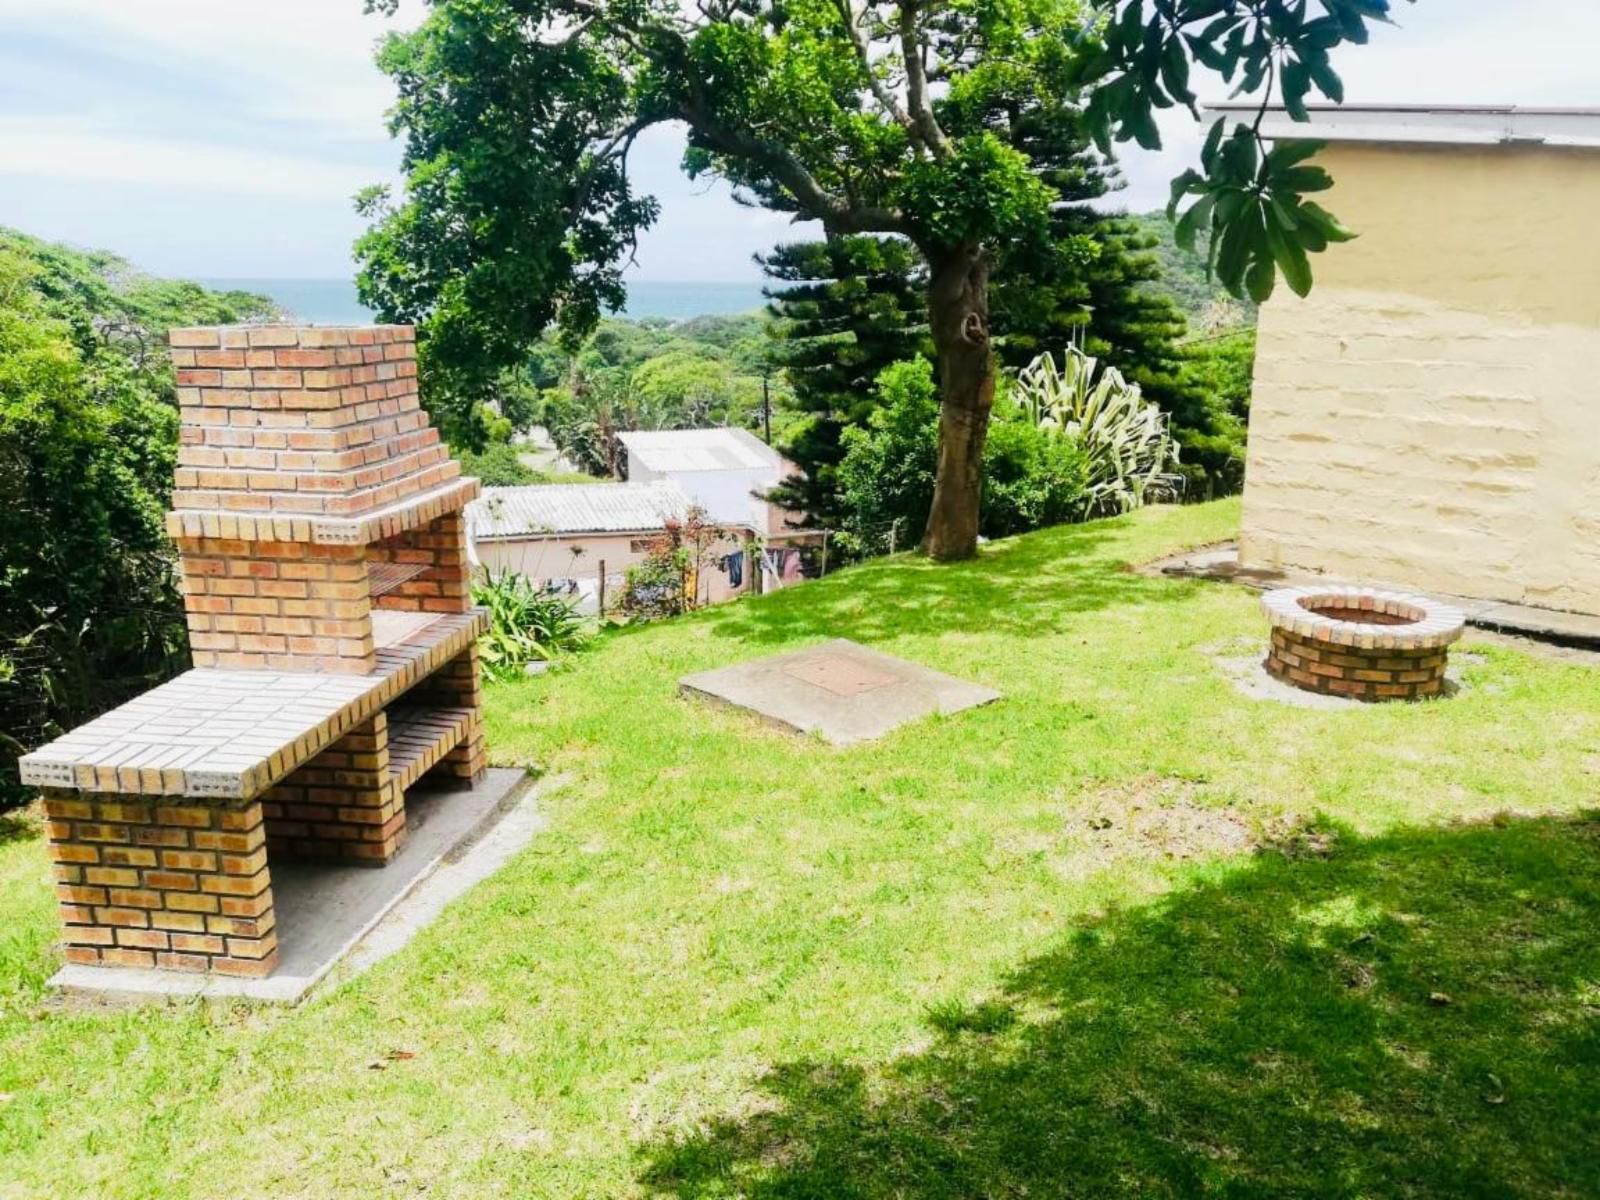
(324, 912)
(840, 690)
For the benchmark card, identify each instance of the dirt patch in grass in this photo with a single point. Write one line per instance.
(1163, 818)
(1154, 817)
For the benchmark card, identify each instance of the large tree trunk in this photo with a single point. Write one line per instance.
(958, 307)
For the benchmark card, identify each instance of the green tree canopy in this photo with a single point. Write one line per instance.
(897, 118)
(89, 605)
(845, 308)
(697, 389)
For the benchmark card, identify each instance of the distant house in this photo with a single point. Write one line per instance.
(727, 472)
(563, 533)
(1428, 416)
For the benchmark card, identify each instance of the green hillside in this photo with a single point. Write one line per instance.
(1183, 276)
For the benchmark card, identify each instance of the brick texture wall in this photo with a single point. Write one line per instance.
(1426, 417)
(457, 685)
(289, 420)
(440, 547)
(342, 805)
(148, 883)
(1393, 674)
(282, 605)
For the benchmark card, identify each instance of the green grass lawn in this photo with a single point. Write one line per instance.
(1123, 933)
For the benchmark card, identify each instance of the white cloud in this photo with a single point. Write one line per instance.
(205, 104)
(305, 61)
(60, 151)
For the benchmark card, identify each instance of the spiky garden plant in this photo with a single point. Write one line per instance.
(1123, 436)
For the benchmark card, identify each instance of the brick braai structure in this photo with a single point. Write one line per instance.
(320, 535)
(1360, 643)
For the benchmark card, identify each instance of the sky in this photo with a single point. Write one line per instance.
(224, 138)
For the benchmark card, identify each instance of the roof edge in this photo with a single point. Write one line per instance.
(1373, 106)
(1435, 124)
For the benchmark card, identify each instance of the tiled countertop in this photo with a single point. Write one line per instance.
(230, 735)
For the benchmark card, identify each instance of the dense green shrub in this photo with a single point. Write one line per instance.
(656, 587)
(527, 624)
(1216, 375)
(887, 472)
(498, 465)
(1032, 476)
(666, 582)
(89, 607)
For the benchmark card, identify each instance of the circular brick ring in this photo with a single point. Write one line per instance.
(1360, 643)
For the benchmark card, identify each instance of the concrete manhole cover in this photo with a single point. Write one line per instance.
(839, 690)
(840, 675)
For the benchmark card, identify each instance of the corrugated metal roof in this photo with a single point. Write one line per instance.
(544, 509)
(667, 450)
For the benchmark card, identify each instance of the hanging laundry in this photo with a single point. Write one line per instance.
(790, 572)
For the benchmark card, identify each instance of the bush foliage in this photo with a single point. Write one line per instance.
(667, 582)
(651, 374)
(89, 607)
(1032, 476)
(1064, 445)
(527, 624)
(498, 464)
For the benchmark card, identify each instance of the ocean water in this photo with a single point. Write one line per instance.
(333, 301)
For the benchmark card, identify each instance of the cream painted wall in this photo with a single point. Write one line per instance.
(542, 558)
(1430, 415)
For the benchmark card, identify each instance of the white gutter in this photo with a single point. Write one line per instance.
(1421, 124)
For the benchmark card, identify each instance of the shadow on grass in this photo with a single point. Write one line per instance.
(1023, 586)
(1411, 1015)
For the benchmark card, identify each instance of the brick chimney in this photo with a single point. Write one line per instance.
(310, 491)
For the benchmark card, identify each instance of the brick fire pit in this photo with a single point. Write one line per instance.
(1360, 643)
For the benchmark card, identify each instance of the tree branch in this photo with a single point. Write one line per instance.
(880, 89)
(837, 214)
(620, 142)
(911, 47)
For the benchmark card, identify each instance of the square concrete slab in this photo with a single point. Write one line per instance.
(840, 690)
(326, 913)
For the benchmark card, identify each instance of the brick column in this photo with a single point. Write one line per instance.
(457, 684)
(343, 805)
(148, 883)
